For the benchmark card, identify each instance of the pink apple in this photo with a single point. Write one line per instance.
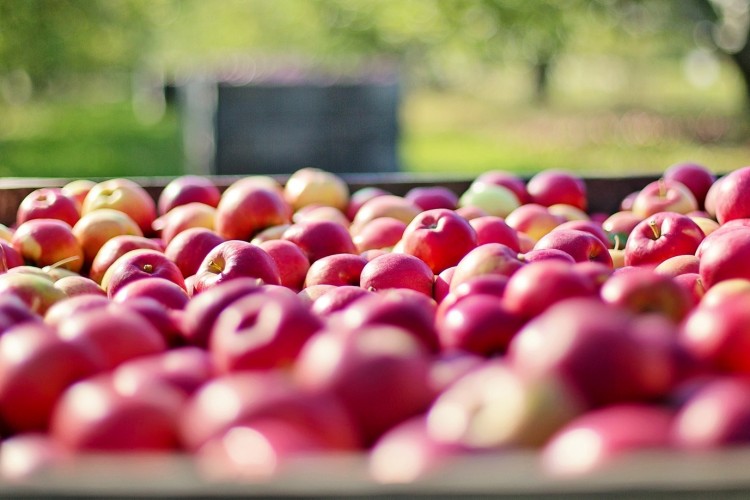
(507, 179)
(550, 187)
(697, 178)
(290, 260)
(48, 242)
(337, 299)
(71, 306)
(37, 292)
(318, 239)
(48, 203)
(320, 212)
(619, 226)
(393, 270)
(184, 217)
(731, 198)
(725, 257)
(233, 259)
(664, 195)
(661, 236)
(360, 197)
(309, 186)
(432, 197)
(677, 265)
(115, 248)
(78, 189)
(493, 285)
(270, 233)
(694, 286)
(10, 256)
(442, 286)
(387, 205)
(338, 269)
(79, 285)
(490, 258)
(533, 220)
(247, 208)
(439, 237)
(164, 291)
(538, 254)
(587, 226)
(712, 197)
(188, 189)
(188, 249)
(582, 246)
(94, 229)
(138, 264)
(124, 195)
(491, 229)
(383, 232)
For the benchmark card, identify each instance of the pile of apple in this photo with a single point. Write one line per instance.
(268, 322)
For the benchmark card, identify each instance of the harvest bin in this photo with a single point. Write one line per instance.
(506, 474)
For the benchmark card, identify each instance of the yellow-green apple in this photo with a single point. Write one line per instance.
(37, 292)
(533, 220)
(48, 203)
(188, 249)
(79, 285)
(124, 421)
(644, 291)
(318, 239)
(551, 187)
(664, 196)
(247, 208)
(598, 438)
(698, 178)
(78, 189)
(677, 265)
(184, 217)
(724, 255)
(166, 292)
(308, 186)
(94, 229)
(431, 197)
(337, 299)
(115, 248)
(491, 198)
(35, 369)
(580, 245)
(439, 237)
(291, 261)
(731, 198)
(539, 285)
(234, 259)
(508, 180)
(47, 242)
(393, 270)
(661, 236)
(490, 258)
(386, 205)
(495, 405)
(342, 363)
(338, 269)
(383, 232)
(261, 331)
(187, 189)
(124, 195)
(492, 229)
(138, 264)
(359, 197)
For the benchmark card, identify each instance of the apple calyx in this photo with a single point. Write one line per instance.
(655, 228)
(213, 267)
(148, 268)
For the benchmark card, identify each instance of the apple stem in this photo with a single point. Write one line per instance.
(655, 229)
(62, 262)
(617, 242)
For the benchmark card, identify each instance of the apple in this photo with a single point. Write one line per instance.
(707, 225)
(697, 178)
(270, 233)
(166, 292)
(587, 226)
(321, 212)
(712, 197)
(188, 249)
(493, 199)
(48, 203)
(439, 237)
(677, 265)
(187, 189)
(78, 189)
(338, 269)
(35, 369)
(538, 254)
(318, 239)
(9, 256)
(432, 197)
(183, 217)
(533, 220)
(337, 299)
(730, 199)
(247, 208)
(619, 225)
(291, 261)
(442, 285)
(490, 258)
(79, 285)
(308, 186)
(596, 439)
(493, 285)
(491, 229)
(725, 256)
(360, 197)
(94, 229)
(694, 285)
(661, 236)
(261, 331)
(115, 248)
(383, 232)
(568, 212)
(138, 264)
(717, 234)
(234, 259)
(71, 306)
(470, 212)
(384, 205)
(167, 321)
(14, 311)
(725, 290)
(48, 242)
(508, 180)
(125, 196)
(37, 292)
(582, 246)
(552, 186)
(394, 270)
(664, 195)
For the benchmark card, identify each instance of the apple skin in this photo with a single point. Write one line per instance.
(442, 286)
(539, 254)
(432, 197)
(188, 249)
(37, 292)
(78, 189)
(116, 248)
(320, 212)
(121, 421)
(393, 270)
(533, 220)
(508, 180)
(619, 225)
(493, 285)
(10, 256)
(291, 261)
(677, 265)
(184, 217)
(384, 205)
(490, 258)
(35, 369)
(125, 196)
(664, 196)
(551, 187)
(581, 245)
(14, 311)
(72, 306)
(164, 291)
(48, 242)
(138, 264)
(247, 208)
(94, 229)
(587, 226)
(30, 455)
(493, 199)
(187, 189)
(310, 186)
(725, 290)
(270, 233)
(725, 256)
(318, 239)
(233, 259)
(491, 229)
(383, 232)
(537, 286)
(694, 286)
(342, 363)
(79, 285)
(338, 269)
(48, 203)
(661, 236)
(645, 291)
(731, 196)
(337, 299)
(598, 438)
(360, 197)
(697, 178)
(439, 237)
(470, 212)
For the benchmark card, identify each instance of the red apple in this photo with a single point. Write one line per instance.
(725, 256)
(387, 205)
(79, 285)
(582, 246)
(432, 197)
(308, 186)
(246, 208)
(188, 189)
(550, 187)
(337, 299)
(539, 254)
(71, 306)
(320, 212)
(619, 226)
(37, 292)
(697, 178)
(124, 195)
(10, 256)
(491, 229)
(338, 269)
(138, 264)
(184, 217)
(360, 197)
(234, 259)
(14, 311)
(486, 284)
(94, 229)
(664, 196)
(383, 232)
(78, 189)
(48, 242)
(442, 286)
(291, 261)
(587, 226)
(677, 265)
(318, 239)
(48, 203)
(164, 291)
(270, 233)
(115, 248)
(490, 258)
(533, 220)
(661, 236)
(731, 196)
(188, 249)
(393, 270)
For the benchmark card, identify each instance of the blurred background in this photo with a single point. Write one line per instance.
(103, 88)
